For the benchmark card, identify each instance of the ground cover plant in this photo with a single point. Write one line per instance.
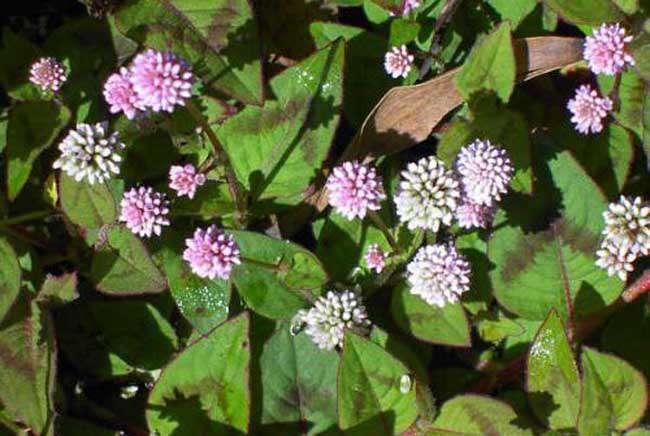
(325, 217)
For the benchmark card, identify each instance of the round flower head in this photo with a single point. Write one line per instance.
(48, 74)
(331, 315)
(473, 215)
(628, 223)
(588, 110)
(617, 258)
(184, 179)
(439, 274)
(161, 80)
(353, 189)
(485, 172)
(428, 195)
(90, 152)
(211, 253)
(398, 62)
(120, 95)
(375, 258)
(606, 50)
(409, 6)
(144, 211)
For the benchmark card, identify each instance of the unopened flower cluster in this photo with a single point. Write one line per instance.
(626, 236)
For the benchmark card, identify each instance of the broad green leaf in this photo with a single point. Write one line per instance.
(490, 66)
(18, 54)
(593, 12)
(638, 432)
(538, 262)
(203, 302)
(211, 201)
(515, 11)
(370, 400)
(630, 7)
(10, 276)
(125, 267)
(553, 382)
(205, 389)
(474, 414)
(136, 332)
(277, 150)
(361, 67)
(28, 367)
(58, 290)
(32, 127)
(298, 382)
(447, 325)
(218, 37)
(276, 277)
(496, 327)
(88, 206)
(631, 93)
(627, 332)
(403, 31)
(614, 394)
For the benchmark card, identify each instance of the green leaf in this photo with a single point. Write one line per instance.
(614, 394)
(205, 389)
(10, 276)
(218, 38)
(496, 327)
(88, 206)
(515, 11)
(28, 367)
(592, 12)
(626, 334)
(630, 7)
(32, 127)
(631, 93)
(646, 124)
(18, 54)
(553, 382)
(58, 290)
(538, 262)
(446, 325)
(369, 397)
(490, 66)
(403, 31)
(276, 277)
(203, 302)
(474, 414)
(277, 150)
(136, 332)
(126, 267)
(298, 382)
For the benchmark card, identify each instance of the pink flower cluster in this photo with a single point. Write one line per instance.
(606, 50)
(184, 179)
(375, 258)
(398, 62)
(155, 80)
(212, 253)
(48, 74)
(354, 188)
(409, 6)
(144, 211)
(588, 110)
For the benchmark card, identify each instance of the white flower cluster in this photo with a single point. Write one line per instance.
(331, 315)
(626, 236)
(90, 153)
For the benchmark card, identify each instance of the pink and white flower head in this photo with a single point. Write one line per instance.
(409, 6)
(375, 258)
(473, 215)
(606, 50)
(184, 179)
(211, 253)
(161, 80)
(354, 188)
(485, 172)
(617, 257)
(48, 74)
(120, 95)
(589, 109)
(144, 211)
(439, 274)
(628, 222)
(428, 195)
(398, 62)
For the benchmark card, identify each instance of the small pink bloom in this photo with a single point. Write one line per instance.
(606, 50)
(353, 189)
(409, 6)
(161, 80)
(48, 74)
(474, 215)
(211, 253)
(120, 95)
(398, 62)
(589, 109)
(144, 211)
(185, 180)
(375, 258)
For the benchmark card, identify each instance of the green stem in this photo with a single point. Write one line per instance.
(7, 422)
(222, 157)
(29, 216)
(374, 216)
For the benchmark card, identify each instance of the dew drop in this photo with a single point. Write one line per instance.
(405, 383)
